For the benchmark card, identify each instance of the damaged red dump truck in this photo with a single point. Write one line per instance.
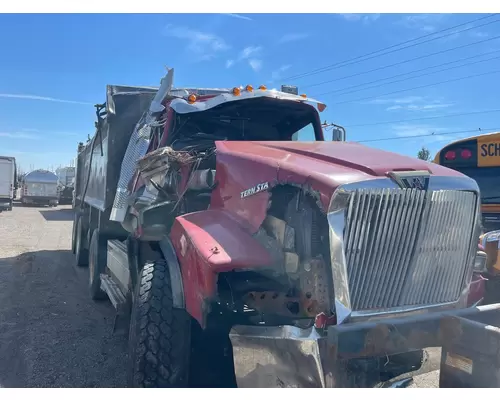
(242, 248)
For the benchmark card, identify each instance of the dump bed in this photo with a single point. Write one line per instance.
(99, 161)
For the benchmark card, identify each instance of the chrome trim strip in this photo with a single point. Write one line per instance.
(336, 218)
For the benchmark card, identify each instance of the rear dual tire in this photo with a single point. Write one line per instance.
(81, 252)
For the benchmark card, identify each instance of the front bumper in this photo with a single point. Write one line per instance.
(40, 200)
(343, 355)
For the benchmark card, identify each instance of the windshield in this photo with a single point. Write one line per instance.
(306, 134)
(488, 180)
(261, 119)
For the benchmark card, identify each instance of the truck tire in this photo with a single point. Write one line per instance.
(81, 253)
(160, 336)
(73, 233)
(97, 263)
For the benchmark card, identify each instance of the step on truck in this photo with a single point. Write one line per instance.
(241, 247)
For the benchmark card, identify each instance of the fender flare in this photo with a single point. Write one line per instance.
(174, 268)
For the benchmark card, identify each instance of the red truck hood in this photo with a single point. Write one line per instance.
(321, 166)
(352, 155)
(338, 156)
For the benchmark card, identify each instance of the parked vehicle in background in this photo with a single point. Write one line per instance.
(479, 158)
(66, 175)
(65, 194)
(66, 178)
(8, 178)
(243, 248)
(39, 187)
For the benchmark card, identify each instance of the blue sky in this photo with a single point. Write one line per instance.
(71, 58)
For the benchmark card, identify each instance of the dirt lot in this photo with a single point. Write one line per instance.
(51, 333)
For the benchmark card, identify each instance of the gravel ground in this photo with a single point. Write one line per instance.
(51, 333)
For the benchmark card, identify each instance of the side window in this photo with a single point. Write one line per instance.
(306, 134)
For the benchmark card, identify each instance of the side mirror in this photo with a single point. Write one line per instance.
(338, 133)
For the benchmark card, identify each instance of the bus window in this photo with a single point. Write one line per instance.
(488, 180)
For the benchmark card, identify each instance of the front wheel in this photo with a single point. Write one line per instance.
(160, 335)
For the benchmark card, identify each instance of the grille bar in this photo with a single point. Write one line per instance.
(407, 247)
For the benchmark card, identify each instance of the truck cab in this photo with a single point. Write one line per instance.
(220, 221)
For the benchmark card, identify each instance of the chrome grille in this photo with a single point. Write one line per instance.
(407, 247)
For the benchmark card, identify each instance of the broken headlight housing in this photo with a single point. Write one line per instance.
(480, 262)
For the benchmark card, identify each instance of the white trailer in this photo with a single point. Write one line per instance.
(7, 182)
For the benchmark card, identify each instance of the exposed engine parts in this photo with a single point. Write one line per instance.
(293, 232)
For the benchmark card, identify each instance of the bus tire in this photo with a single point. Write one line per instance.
(160, 335)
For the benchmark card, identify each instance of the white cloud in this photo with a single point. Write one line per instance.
(249, 51)
(251, 55)
(277, 74)
(239, 16)
(412, 103)
(292, 37)
(360, 17)
(423, 22)
(422, 132)
(18, 135)
(40, 98)
(479, 34)
(255, 64)
(204, 45)
(419, 107)
(400, 100)
(31, 133)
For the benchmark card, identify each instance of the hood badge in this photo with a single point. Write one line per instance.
(411, 179)
(254, 190)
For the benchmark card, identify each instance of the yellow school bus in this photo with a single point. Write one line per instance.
(479, 158)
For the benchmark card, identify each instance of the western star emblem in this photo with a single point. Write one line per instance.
(254, 190)
(411, 179)
(417, 182)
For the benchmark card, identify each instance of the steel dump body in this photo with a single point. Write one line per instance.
(100, 160)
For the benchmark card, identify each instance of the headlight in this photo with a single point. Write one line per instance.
(480, 263)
